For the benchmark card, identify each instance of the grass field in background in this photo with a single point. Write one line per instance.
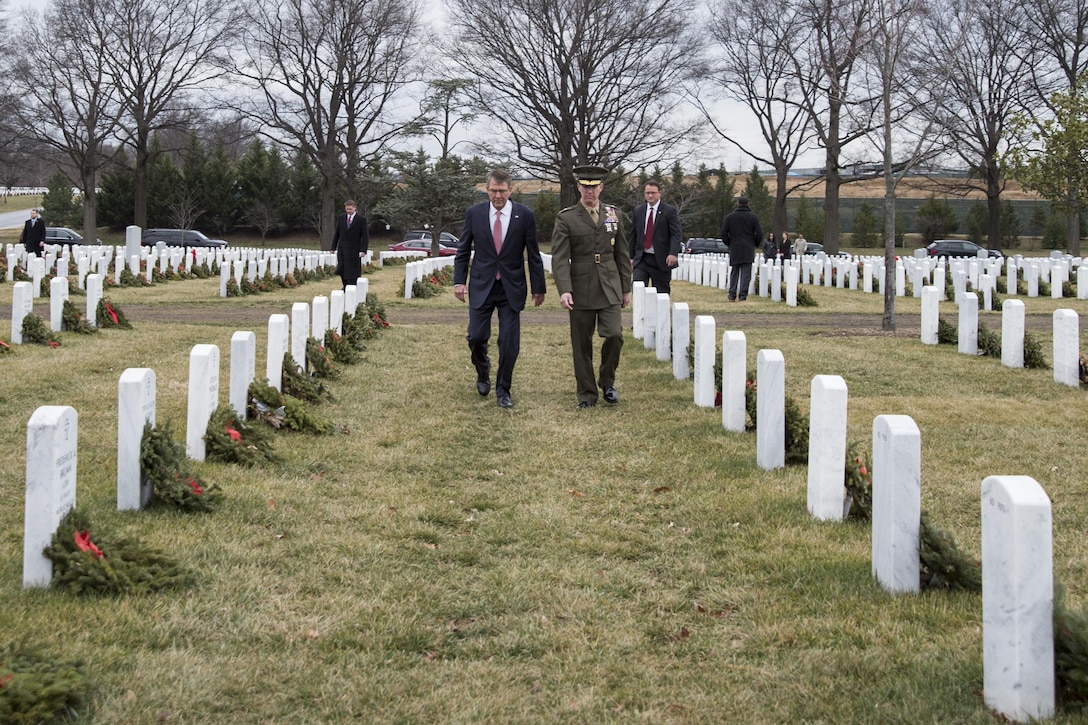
(443, 560)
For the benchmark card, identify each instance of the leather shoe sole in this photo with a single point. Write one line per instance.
(504, 401)
(584, 404)
(611, 396)
(483, 387)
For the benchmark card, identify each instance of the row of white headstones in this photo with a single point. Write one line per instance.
(252, 263)
(980, 274)
(1018, 655)
(51, 455)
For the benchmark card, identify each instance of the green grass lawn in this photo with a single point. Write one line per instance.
(443, 560)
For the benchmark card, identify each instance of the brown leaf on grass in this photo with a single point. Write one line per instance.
(429, 545)
(280, 536)
(662, 489)
(680, 636)
(718, 614)
(575, 494)
(535, 687)
(311, 634)
(271, 503)
(430, 656)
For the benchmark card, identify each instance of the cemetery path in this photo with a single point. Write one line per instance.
(837, 324)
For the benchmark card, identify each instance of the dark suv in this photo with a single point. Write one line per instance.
(702, 245)
(958, 248)
(179, 238)
(66, 236)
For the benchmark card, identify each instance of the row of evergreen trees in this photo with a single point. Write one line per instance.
(262, 191)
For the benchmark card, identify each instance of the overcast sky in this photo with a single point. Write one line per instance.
(738, 117)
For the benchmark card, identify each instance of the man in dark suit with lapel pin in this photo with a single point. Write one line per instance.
(350, 242)
(655, 240)
(503, 235)
(592, 269)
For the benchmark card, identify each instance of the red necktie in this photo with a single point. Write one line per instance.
(496, 235)
(649, 227)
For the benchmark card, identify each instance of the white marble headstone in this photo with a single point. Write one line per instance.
(300, 331)
(663, 333)
(51, 440)
(770, 409)
(681, 338)
(1067, 348)
(243, 370)
(203, 397)
(734, 380)
(897, 502)
(827, 447)
(278, 326)
(705, 348)
(135, 407)
(1012, 333)
(1017, 599)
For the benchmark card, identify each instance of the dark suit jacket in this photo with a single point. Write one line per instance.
(520, 243)
(668, 236)
(741, 231)
(34, 235)
(349, 243)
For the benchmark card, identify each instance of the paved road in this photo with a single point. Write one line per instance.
(14, 218)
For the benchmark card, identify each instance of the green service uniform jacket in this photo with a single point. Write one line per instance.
(591, 262)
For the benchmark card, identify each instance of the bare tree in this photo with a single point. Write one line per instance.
(755, 66)
(979, 77)
(444, 108)
(73, 105)
(1060, 27)
(162, 52)
(825, 61)
(328, 73)
(577, 82)
(903, 138)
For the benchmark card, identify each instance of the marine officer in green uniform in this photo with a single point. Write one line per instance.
(592, 269)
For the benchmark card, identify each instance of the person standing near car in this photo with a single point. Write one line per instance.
(592, 269)
(656, 236)
(350, 242)
(800, 244)
(785, 248)
(770, 247)
(741, 231)
(33, 236)
(503, 234)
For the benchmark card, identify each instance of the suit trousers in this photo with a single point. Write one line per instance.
(479, 332)
(609, 326)
(649, 269)
(740, 279)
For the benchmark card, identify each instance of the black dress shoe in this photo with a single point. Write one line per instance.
(584, 404)
(504, 400)
(483, 387)
(611, 396)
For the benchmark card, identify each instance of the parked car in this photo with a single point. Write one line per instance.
(179, 238)
(704, 245)
(423, 245)
(446, 239)
(958, 248)
(66, 236)
(813, 247)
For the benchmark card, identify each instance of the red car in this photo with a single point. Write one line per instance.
(424, 245)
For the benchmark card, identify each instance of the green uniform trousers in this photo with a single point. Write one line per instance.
(609, 326)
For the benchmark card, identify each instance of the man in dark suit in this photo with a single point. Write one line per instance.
(33, 236)
(741, 231)
(592, 269)
(655, 240)
(350, 242)
(503, 235)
